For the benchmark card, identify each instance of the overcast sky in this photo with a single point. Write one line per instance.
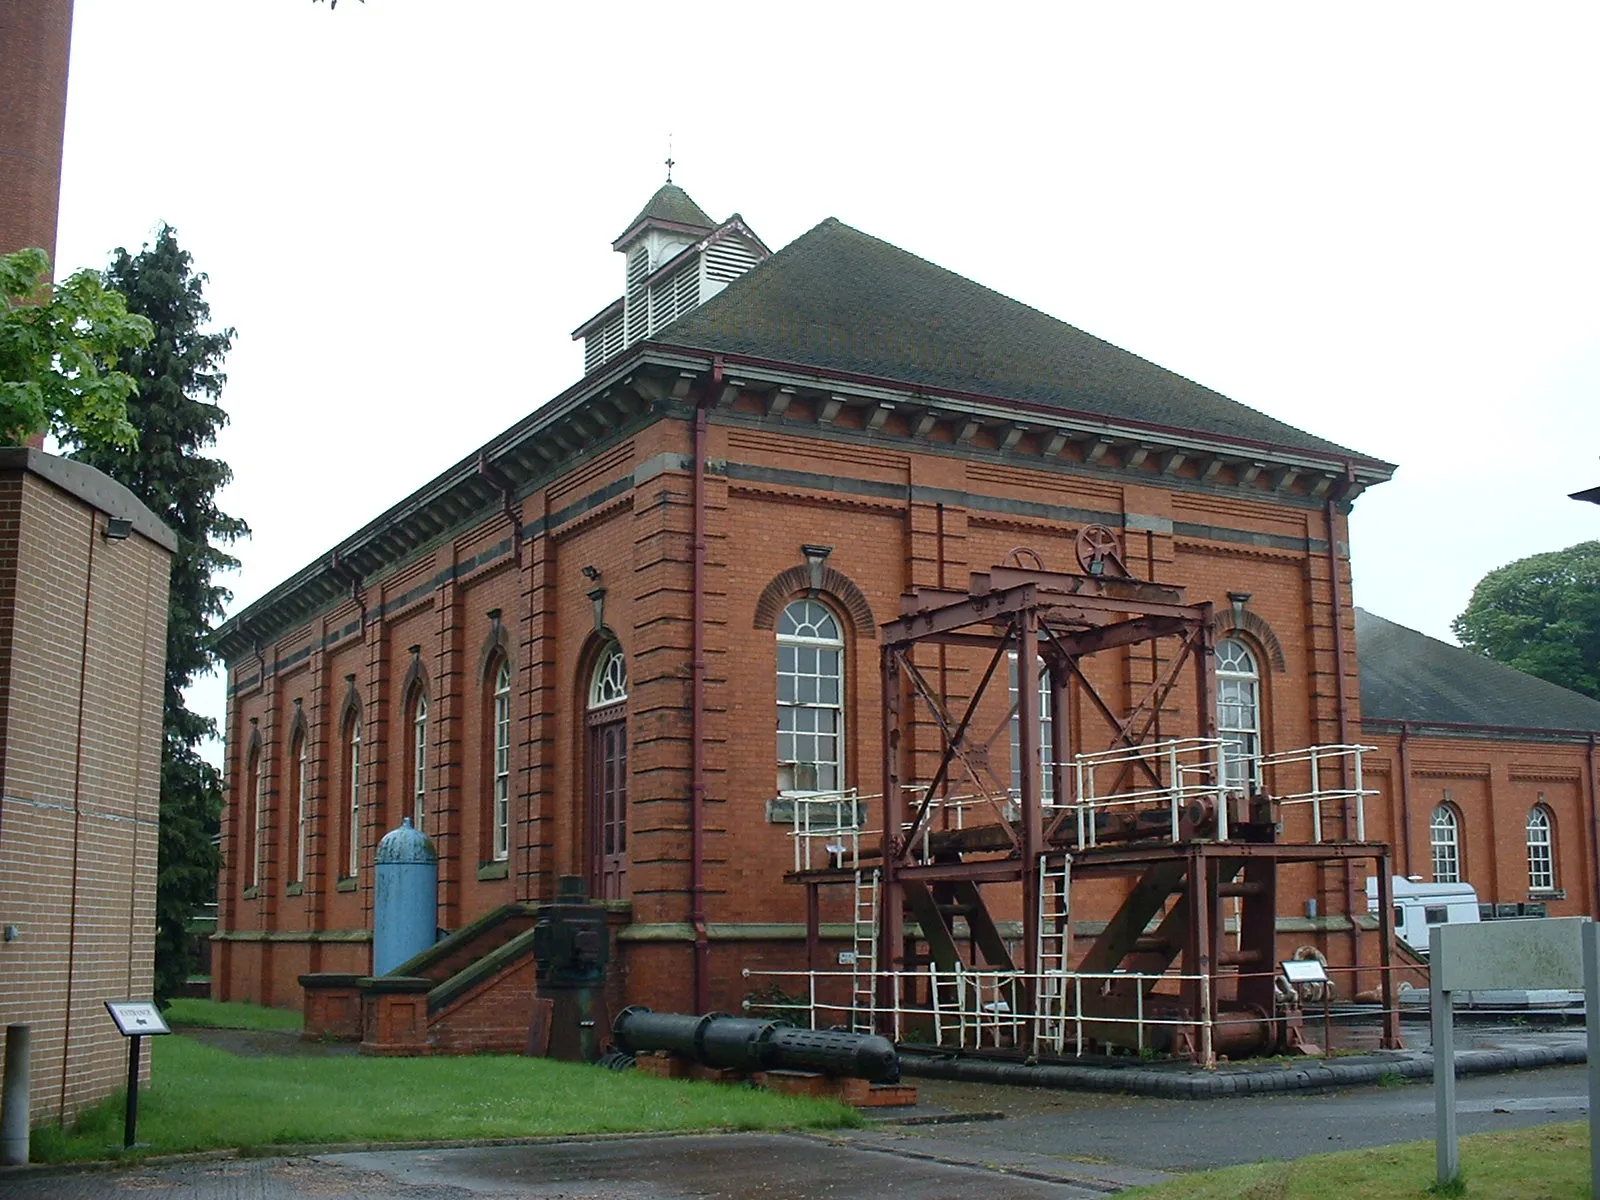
(1375, 221)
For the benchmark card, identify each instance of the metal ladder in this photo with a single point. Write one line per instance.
(1055, 944)
(864, 967)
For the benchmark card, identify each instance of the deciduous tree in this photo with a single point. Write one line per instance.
(58, 350)
(1541, 615)
(178, 381)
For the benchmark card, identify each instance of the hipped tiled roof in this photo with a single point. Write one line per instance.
(840, 300)
(1409, 676)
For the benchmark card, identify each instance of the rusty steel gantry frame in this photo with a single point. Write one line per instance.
(1064, 618)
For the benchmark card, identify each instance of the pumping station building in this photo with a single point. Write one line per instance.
(862, 638)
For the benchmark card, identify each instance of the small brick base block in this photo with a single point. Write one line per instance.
(857, 1093)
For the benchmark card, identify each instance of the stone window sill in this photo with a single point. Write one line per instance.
(499, 869)
(250, 893)
(295, 889)
(346, 884)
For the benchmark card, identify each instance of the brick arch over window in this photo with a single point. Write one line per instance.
(298, 727)
(796, 581)
(1226, 621)
(350, 709)
(496, 646)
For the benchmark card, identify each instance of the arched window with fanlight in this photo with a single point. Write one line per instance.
(1239, 714)
(256, 824)
(1444, 839)
(500, 762)
(606, 726)
(1541, 851)
(418, 755)
(352, 806)
(810, 699)
(300, 751)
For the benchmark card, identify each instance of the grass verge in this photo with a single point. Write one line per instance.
(201, 1098)
(1542, 1163)
(210, 1014)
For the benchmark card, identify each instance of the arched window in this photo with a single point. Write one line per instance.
(609, 683)
(1239, 714)
(419, 756)
(1444, 836)
(500, 765)
(1047, 777)
(810, 699)
(352, 831)
(257, 832)
(606, 726)
(300, 751)
(1541, 856)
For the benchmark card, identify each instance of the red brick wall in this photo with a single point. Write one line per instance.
(82, 643)
(769, 490)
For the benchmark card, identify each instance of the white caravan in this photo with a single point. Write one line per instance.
(1420, 906)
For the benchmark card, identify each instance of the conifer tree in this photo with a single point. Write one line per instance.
(178, 381)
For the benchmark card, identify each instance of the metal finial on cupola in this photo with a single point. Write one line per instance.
(670, 163)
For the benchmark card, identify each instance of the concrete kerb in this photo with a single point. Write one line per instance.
(1235, 1080)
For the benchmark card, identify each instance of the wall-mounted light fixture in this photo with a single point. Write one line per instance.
(118, 528)
(1238, 600)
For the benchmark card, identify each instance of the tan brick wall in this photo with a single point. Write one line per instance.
(83, 637)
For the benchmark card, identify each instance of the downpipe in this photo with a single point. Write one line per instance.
(697, 698)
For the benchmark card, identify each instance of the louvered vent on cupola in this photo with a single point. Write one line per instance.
(675, 260)
(637, 304)
(728, 259)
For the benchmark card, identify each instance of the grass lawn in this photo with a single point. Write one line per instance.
(202, 1098)
(1548, 1162)
(211, 1015)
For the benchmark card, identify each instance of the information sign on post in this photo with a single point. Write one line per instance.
(1532, 954)
(136, 1020)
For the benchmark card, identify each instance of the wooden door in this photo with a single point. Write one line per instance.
(608, 806)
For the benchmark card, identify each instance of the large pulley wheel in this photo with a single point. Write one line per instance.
(1096, 544)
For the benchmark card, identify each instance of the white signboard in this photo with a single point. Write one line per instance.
(136, 1018)
(1532, 954)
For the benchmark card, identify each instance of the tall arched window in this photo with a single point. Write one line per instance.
(606, 725)
(810, 699)
(1444, 836)
(300, 751)
(419, 756)
(1541, 856)
(500, 765)
(1239, 714)
(352, 831)
(1047, 777)
(257, 832)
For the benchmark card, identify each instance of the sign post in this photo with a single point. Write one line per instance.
(1557, 952)
(136, 1020)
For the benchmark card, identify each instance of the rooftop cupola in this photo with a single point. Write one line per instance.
(675, 258)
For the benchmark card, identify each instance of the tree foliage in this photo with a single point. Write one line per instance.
(58, 350)
(178, 382)
(1541, 615)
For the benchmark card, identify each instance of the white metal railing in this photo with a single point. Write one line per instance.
(1324, 765)
(977, 1010)
(830, 822)
(1185, 769)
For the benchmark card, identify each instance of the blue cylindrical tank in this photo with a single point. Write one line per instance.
(405, 904)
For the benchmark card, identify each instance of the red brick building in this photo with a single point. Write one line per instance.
(620, 638)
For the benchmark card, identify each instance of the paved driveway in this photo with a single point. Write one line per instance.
(1062, 1145)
